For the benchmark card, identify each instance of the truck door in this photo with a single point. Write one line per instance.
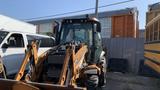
(13, 53)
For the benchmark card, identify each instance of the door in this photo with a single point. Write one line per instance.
(13, 53)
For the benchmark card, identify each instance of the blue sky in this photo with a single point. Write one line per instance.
(25, 9)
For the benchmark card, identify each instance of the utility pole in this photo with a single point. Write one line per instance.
(96, 9)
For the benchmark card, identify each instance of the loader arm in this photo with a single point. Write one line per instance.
(77, 59)
(32, 50)
(65, 66)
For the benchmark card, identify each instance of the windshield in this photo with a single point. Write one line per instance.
(78, 32)
(3, 34)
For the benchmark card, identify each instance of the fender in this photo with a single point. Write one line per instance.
(102, 54)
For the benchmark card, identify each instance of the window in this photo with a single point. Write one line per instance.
(147, 35)
(106, 25)
(30, 38)
(45, 28)
(15, 40)
(3, 34)
(151, 32)
(80, 35)
(155, 30)
(77, 32)
(98, 41)
(159, 29)
(44, 41)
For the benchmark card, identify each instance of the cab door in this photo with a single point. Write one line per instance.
(13, 53)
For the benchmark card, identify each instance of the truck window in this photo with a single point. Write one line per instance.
(15, 40)
(44, 41)
(3, 34)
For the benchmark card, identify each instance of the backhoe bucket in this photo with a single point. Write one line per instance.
(6, 84)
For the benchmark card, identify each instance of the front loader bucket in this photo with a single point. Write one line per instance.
(6, 84)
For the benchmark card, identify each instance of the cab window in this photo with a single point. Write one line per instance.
(77, 32)
(15, 40)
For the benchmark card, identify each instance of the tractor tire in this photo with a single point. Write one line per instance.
(102, 77)
(92, 82)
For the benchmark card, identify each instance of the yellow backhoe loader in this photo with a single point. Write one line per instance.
(76, 62)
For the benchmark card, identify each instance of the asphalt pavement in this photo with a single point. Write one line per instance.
(119, 81)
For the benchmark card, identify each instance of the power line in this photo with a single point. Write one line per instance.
(80, 10)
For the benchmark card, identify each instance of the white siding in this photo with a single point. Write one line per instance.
(106, 25)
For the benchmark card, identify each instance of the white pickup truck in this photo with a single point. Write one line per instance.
(15, 35)
(13, 45)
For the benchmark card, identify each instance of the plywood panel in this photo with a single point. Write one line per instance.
(124, 26)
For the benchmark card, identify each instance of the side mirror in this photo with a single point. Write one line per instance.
(98, 27)
(56, 28)
(5, 45)
(56, 32)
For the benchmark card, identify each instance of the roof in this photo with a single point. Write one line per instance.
(18, 32)
(153, 20)
(101, 15)
(155, 6)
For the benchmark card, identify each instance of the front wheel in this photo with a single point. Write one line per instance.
(92, 82)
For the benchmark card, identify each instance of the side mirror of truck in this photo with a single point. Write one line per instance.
(98, 27)
(5, 45)
(56, 32)
(56, 28)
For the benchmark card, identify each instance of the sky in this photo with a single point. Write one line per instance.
(26, 9)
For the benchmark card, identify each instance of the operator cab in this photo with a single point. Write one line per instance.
(85, 30)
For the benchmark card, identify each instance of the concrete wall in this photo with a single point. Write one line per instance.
(126, 48)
